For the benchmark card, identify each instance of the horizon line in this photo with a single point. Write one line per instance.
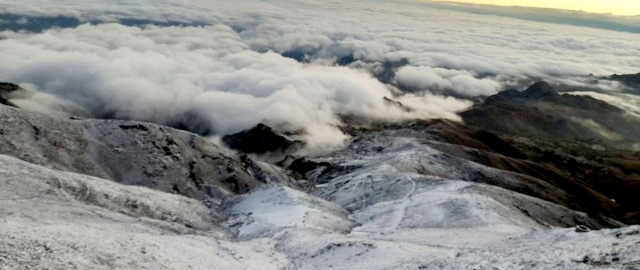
(462, 2)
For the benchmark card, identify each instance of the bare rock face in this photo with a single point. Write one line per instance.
(132, 153)
(261, 139)
(6, 89)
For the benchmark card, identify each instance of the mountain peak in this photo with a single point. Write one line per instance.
(538, 90)
(261, 139)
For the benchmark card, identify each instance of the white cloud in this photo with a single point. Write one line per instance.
(163, 75)
(461, 82)
(230, 73)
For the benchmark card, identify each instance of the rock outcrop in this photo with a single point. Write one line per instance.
(262, 139)
(6, 89)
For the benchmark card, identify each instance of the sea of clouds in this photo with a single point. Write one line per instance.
(219, 67)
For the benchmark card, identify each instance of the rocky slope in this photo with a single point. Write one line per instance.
(568, 138)
(542, 113)
(60, 220)
(111, 194)
(133, 153)
(427, 153)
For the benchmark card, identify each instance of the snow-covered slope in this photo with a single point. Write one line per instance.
(405, 234)
(415, 207)
(133, 153)
(60, 220)
(400, 172)
(271, 209)
(389, 201)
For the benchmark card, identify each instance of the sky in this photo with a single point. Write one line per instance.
(617, 7)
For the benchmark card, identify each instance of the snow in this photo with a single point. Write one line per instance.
(405, 206)
(415, 185)
(272, 208)
(132, 153)
(58, 220)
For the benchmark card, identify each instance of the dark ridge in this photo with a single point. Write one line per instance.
(543, 91)
(303, 165)
(134, 126)
(631, 80)
(139, 22)
(259, 140)
(38, 24)
(5, 90)
(504, 95)
(539, 90)
(497, 144)
(397, 104)
(540, 112)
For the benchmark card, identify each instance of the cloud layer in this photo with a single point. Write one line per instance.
(224, 71)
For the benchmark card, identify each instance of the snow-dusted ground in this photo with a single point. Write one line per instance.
(389, 201)
(133, 153)
(415, 208)
(58, 220)
(398, 173)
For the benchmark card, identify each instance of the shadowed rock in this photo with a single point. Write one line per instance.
(6, 89)
(631, 80)
(397, 104)
(261, 139)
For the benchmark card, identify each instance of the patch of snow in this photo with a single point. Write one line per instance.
(272, 208)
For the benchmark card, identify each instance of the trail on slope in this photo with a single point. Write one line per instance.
(397, 215)
(364, 193)
(400, 213)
